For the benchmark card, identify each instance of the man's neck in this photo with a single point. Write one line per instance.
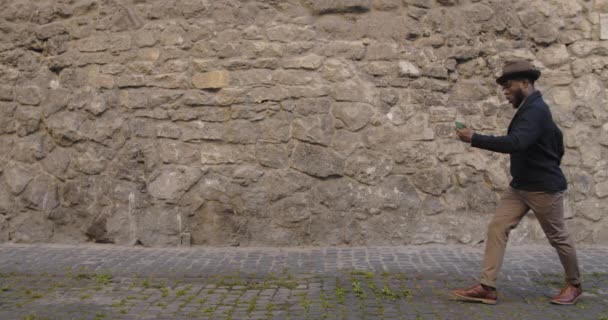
(529, 93)
(526, 98)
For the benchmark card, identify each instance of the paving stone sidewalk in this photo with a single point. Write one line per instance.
(410, 282)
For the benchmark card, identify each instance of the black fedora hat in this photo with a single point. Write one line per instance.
(518, 69)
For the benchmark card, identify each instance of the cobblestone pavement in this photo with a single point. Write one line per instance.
(109, 282)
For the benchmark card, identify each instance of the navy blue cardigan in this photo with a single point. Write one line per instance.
(535, 145)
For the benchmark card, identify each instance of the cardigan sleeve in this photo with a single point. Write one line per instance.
(524, 132)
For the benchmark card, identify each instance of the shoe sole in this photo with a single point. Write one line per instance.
(482, 300)
(566, 303)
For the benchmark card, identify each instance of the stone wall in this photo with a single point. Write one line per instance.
(285, 122)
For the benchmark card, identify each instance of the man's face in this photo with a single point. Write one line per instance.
(514, 92)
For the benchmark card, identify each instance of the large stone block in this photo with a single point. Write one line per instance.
(312, 91)
(28, 95)
(469, 91)
(419, 3)
(316, 129)
(242, 132)
(368, 166)
(416, 128)
(308, 62)
(591, 210)
(277, 128)
(41, 194)
(56, 163)
(386, 5)
(382, 51)
(408, 69)
(50, 30)
(65, 127)
(480, 198)
(171, 81)
(340, 195)
(92, 160)
(94, 44)
(130, 81)
(307, 107)
(172, 183)
(211, 80)
(559, 77)
(340, 6)
(355, 91)
(6, 93)
(214, 154)
(434, 181)
(588, 88)
(176, 152)
(145, 38)
(435, 72)
(27, 120)
(4, 229)
(7, 202)
(584, 48)
(604, 135)
(347, 49)
(290, 212)
(601, 189)
(272, 155)
(413, 156)
(17, 177)
(433, 205)
(475, 13)
(150, 98)
(567, 9)
(442, 114)
(31, 148)
(337, 70)
(601, 5)
(31, 227)
(354, 115)
(544, 33)
(554, 56)
(168, 130)
(161, 226)
(214, 223)
(119, 42)
(115, 224)
(207, 114)
(292, 77)
(289, 33)
(148, 54)
(394, 193)
(252, 77)
(317, 161)
(264, 94)
(380, 68)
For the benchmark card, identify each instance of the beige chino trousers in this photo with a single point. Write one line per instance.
(549, 210)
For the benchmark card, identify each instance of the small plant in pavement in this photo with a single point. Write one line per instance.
(252, 305)
(359, 292)
(340, 294)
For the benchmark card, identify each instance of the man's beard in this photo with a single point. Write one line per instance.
(518, 98)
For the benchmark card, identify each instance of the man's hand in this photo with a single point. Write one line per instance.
(465, 134)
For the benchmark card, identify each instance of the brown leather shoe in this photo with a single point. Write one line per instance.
(568, 295)
(477, 293)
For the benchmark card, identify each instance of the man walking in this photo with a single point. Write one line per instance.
(535, 145)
